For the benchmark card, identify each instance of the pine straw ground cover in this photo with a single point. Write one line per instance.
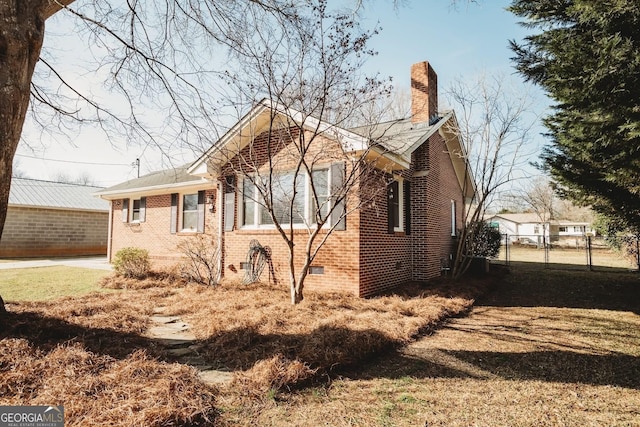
(545, 348)
(90, 353)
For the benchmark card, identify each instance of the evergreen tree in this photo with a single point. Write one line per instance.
(586, 56)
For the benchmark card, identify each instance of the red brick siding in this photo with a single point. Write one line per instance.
(338, 256)
(154, 233)
(431, 215)
(363, 260)
(32, 232)
(385, 259)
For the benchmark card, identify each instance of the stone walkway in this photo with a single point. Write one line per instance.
(174, 334)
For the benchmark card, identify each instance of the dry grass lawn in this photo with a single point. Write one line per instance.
(601, 258)
(547, 348)
(90, 355)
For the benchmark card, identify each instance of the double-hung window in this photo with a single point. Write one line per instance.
(133, 210)
(287, 199)
(190, 212)
(319, 204)
(399, 206)
(291, 199)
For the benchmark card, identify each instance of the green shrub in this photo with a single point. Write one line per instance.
(132, 262)
(482, 240)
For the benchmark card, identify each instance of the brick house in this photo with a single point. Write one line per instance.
(47, 218)
(379, 239)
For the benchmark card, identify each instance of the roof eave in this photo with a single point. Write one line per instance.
(224, 149)
(153, 190)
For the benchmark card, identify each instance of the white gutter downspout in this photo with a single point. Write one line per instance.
(109, 231)
(220, 232)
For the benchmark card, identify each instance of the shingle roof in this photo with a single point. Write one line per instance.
(153, 179)
(397, 136)
(58, 195)
(520, 218)
(167, 178)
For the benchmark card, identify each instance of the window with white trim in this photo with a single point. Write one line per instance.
(292, 198)
(135, 211)
(396, 205)
(322, 187)
(190, 212)
(453, 218)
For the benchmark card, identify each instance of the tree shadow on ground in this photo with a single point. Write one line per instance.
(46, 333)
(619, 370)
(325, 348)
(533, 285)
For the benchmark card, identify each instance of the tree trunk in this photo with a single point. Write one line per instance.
(21, 36)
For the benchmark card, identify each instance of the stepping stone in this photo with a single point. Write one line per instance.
(215, 377)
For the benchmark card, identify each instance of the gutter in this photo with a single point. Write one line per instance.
(220, 233)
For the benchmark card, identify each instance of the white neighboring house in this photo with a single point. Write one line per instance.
(523, 227)
(530, 228)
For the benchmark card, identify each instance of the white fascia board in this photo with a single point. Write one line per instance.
(396, 161)
(154, 190)
(199, 167)
(432, 130)
(350, 141)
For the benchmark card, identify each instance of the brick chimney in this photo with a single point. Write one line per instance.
(424, 92)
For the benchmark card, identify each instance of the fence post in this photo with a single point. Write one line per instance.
(638, 251)
(589, 254)
(546, 251)
(506, 246)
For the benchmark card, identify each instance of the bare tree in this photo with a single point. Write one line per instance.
(494, 125)
(303, 170)
(149, 54)
(83, 178)
(541, 199)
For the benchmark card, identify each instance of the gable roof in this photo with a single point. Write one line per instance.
(261, 117)
(403, 137)
(156, 183)
(36, 193)
(519, 218)
(390, 144)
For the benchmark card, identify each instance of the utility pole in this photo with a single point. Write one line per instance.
(137, 164)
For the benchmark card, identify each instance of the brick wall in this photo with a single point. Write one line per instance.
(385, 259)
(338, 256)
(154, 233)
(433, 189)
(34, 232)
(362, 260)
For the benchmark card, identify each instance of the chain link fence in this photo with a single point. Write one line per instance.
(572, 252)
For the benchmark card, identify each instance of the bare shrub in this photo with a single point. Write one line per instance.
(202, 261)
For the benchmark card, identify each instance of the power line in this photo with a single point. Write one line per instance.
(73, 161)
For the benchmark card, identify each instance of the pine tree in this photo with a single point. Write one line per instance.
(586, 56)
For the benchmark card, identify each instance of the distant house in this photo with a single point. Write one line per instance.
(401, 235)
(54, 219)
(530, 228)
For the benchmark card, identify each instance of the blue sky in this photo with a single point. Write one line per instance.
(461, 42)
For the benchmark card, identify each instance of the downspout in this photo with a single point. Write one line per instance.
(109, 230)
(220, 232)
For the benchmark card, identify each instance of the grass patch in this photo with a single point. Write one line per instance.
(46, 283)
